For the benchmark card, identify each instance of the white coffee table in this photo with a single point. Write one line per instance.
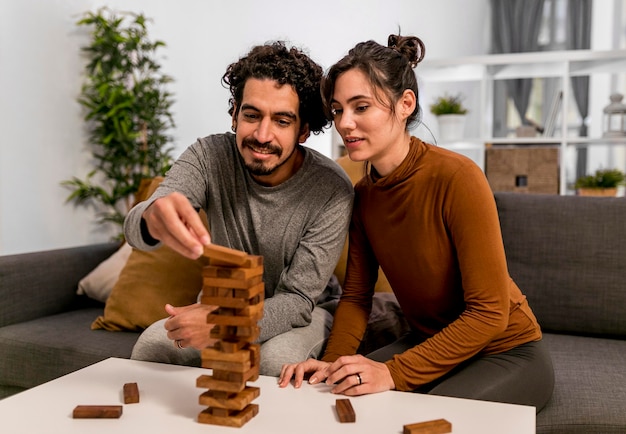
(169, 404)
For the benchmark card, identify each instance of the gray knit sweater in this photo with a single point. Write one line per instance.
(299, 226)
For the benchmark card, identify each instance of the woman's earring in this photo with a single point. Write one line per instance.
(234, 128)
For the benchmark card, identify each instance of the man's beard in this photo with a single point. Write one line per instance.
(259, 167)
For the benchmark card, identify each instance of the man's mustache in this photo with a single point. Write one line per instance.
(255, 144)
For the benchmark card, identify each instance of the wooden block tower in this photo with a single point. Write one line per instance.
(233, 281)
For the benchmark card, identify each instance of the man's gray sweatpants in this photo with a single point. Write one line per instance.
(293, 346)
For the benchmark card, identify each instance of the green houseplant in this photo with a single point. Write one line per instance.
(450, 114)
(603, 182)
(127, 110)
(448, 105)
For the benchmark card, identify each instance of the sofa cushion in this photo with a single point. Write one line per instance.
(568, 255)
(99, 283)
(589, 392)
(149, 280)
(40, 350)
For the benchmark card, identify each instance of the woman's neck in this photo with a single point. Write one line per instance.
(394, 156)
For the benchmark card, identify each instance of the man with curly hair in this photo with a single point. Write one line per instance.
(263, 193)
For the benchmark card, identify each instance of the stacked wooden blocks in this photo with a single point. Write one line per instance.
(233, 281)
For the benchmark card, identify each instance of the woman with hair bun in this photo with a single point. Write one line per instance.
(428, 218)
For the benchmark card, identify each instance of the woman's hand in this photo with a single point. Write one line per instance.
(358, 375)
(298, 371)
(350, 375)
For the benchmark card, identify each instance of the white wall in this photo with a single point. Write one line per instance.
(42, 137)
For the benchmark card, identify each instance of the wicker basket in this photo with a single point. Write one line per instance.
(528, 169)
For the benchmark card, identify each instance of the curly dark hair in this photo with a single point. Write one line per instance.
(291, 66)
(389, 69)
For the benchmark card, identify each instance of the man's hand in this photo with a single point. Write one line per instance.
(188, 325)
(173, 221)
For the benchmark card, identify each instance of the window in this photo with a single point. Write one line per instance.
(552, 37)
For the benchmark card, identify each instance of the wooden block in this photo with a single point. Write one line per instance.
(236, 377)
(251, 261)
(345, 412)
(229, 334)
(97, 412)
(234, 420)
(237, 303)
(230, 346)
(246, 333)
(227, 366)
(216, 291)
(255, 354)
(250, 292)
(253, 310)
(131, 393)
(255, 359)
(438, 426)
(225, 255)
(231, 401)
(219, 394)
(209, 297)
(233, 320)
(257, 299)
(222, 282)
(207, 382)
(216, 411)
(215, 354)
(231, 272)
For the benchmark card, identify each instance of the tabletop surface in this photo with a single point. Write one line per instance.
(169, 404)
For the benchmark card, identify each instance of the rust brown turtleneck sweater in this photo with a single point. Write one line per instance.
(433, 227)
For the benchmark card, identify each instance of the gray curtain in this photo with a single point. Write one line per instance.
(516, 26)
(578, 38)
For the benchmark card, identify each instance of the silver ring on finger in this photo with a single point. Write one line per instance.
(358, 377)
(177, 341)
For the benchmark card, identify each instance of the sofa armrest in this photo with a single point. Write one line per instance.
(38, 284)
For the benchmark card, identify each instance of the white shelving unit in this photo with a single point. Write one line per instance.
(483, 71)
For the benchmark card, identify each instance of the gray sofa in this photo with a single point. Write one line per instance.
(568, 254)
(44, 325)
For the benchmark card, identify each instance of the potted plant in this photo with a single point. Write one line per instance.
(603, 183)
(450, 114)
(127, 110)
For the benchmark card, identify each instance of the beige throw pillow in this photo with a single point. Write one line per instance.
(98, 284)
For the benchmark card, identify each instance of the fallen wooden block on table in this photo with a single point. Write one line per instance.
(438, 426)
(97, 412)
(131, 393)
(345, 412)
